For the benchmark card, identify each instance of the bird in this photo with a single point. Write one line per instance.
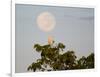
(50, 40)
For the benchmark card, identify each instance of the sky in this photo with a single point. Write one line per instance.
(74, 28)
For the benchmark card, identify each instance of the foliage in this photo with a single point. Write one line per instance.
(53, 57)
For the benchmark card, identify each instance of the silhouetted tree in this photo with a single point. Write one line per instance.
(90, 61)
(53, 57)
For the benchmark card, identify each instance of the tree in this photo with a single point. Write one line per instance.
(90, 61)
(53, 57)
(86, 62)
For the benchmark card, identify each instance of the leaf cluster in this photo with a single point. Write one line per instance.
(51, 56)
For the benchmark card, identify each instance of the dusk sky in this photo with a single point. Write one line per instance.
(74, 28)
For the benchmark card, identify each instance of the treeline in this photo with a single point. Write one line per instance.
(55, 58)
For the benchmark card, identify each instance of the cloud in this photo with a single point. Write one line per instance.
(87, 18)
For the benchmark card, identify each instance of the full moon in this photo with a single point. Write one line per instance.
(46, 21)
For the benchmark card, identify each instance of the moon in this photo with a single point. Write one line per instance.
(46, 21)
